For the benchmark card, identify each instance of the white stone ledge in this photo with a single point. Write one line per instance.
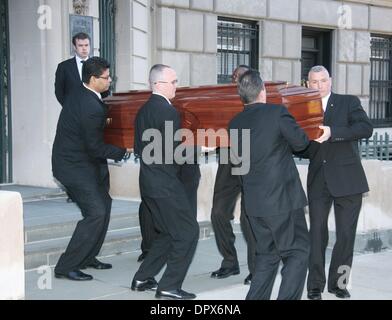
(376, 213)
(12, 275)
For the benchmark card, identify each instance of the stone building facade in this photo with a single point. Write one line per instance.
(183, 34)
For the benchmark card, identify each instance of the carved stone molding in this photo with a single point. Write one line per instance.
(81, 7)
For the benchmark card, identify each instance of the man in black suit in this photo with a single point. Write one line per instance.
(189, 174)
(272, 192)
(163, 192)
(227, 189)
(335, 176)
(79, 163)
(69, 72)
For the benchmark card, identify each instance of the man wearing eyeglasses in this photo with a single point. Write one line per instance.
(79, 164)
(164, 193)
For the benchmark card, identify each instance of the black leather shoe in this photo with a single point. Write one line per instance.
(75, 275)
(340, 293)
(96, 264)
(225, 272)
(314, 294)
(175, 294)
(248, 279)
(141, 257)
(148, 284)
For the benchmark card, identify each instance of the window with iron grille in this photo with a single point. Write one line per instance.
(238, 43)
(380, 104)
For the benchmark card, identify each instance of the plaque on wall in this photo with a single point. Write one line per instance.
(84, 24)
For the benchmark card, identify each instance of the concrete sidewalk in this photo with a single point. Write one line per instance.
(371, 279)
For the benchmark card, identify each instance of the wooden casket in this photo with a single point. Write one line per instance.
(211, 107)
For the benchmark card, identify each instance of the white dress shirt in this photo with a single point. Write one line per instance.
(80, 65)
(97, 93)
(325, 101)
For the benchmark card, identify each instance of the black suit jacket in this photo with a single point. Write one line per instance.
(67, 79)
(337, 160)
(79, 150)
(157, 179)
(272, 185)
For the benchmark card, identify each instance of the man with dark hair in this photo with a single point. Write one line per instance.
(79, 163)
(273, 196)
(164, 193)
(226, 192)
(69, 72)
(335, 176)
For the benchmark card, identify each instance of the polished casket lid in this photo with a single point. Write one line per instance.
(211, 107)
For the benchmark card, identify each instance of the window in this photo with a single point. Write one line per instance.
(238, 43)
(380, 108)
(316, 50)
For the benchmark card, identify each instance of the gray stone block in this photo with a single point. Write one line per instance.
(380, 19)
(266, 66)
(365, 80)
(346, 45)
(283, 10)
(140, 70)
(174, 3)
(365, 104)
(354, 77)
(360, 16)
(254, 9)
(210, 33)
(296, 74)
(190, 30)
(203, 68)
(207, 5)
(140, 16)
(140, 43)
(272, 39)
(180, 61)
(282, 70)
(292, 41)
(166, 35)
(320, 12)
(362, 47)
(339, 78)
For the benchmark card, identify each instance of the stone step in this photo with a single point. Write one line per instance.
(47, 253)
(60, 230)
(119, 241)
(55, 218)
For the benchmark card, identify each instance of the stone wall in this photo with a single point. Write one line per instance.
(133, 41)
(376, 213)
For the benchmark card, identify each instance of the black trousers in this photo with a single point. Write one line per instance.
(175, 243)
(280, 238)
(226, 192)
(190, 177)
(95, 204)
(346, 218)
